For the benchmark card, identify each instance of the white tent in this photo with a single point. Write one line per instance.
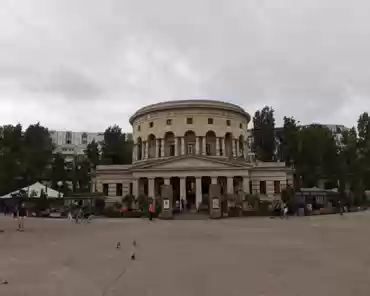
(35, 191)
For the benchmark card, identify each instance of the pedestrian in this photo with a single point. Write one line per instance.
(151, 211)
(285, 211)
(182, 204)
(22, 214)
(340, 207)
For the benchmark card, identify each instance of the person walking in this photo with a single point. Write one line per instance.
(182, 205)
(151, 211)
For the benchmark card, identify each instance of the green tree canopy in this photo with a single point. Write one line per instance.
(116, 149)
(264, 134)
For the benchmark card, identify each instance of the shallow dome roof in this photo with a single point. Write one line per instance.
(186, 104)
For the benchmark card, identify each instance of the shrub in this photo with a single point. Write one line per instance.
(252, 199)
(128, 199)
(117, 205)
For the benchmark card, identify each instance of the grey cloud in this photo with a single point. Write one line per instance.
(306, 58)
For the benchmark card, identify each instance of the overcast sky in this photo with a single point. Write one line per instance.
(86, 64)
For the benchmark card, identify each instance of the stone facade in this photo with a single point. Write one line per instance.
(190, 145)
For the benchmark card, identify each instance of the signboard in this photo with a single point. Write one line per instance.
(166, 204)
(215, 203)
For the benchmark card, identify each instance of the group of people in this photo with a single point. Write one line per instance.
(19, 213)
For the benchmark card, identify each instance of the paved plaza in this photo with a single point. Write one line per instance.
(323, 255)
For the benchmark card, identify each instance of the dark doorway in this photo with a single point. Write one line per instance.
(175, 183)
(190, 192)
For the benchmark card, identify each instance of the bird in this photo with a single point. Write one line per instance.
(134, 243)
(118, 246)
(133, 257)
(4, 282)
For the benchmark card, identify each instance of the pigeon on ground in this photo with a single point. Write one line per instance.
(118, 246)
(134, 243)
(4, 282)
(133, 257)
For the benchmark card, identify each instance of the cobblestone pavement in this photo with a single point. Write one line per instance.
(326, 255)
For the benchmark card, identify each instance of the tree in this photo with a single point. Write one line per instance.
(81, 178)
(317, 156)
(349, 164)
(115, 147)
(363, 127)
(11, 157)
(264, 134)
(38, 151)
(92, 153)
(289, 141)
(59, 172)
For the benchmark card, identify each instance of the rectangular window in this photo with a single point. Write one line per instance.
(190, 149)
(228, 122)
(105, 189)
(277, 187)
(84, 138)
(210, 120)
(169, 121)
(68, 137)
(131, 188)
(251, 187)
(263, 187)
(241, 125)
(119, 189)
(151, 124)
(189, 120)
(138, 128)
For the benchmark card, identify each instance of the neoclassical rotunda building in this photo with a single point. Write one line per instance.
(190, 145)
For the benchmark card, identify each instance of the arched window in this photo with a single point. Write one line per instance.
(169, 144)
(152, 146)
(211, 143)
(139, 147)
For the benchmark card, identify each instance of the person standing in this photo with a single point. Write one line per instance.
(22, 214)
(182, 205)
(151, 211)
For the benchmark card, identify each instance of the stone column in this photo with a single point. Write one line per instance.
(217, 146)
(204, 152)
(223, 147)
(151, 187)
(176, 146)
(246, 185)
(182, 145)
(182, 190)
(230, 185)
(135, 187)
(198, 191)
(167, 181)
(142, 150)
(234, 148)
(162, 148)
(157, 144)
(197, 147)
(214, 180)
(134, 152)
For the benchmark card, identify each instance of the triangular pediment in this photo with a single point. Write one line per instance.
(189, 162)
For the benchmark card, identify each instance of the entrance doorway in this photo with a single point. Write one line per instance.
(190, 192)
(175, 183)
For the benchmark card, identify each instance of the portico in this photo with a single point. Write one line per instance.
(191, 172)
